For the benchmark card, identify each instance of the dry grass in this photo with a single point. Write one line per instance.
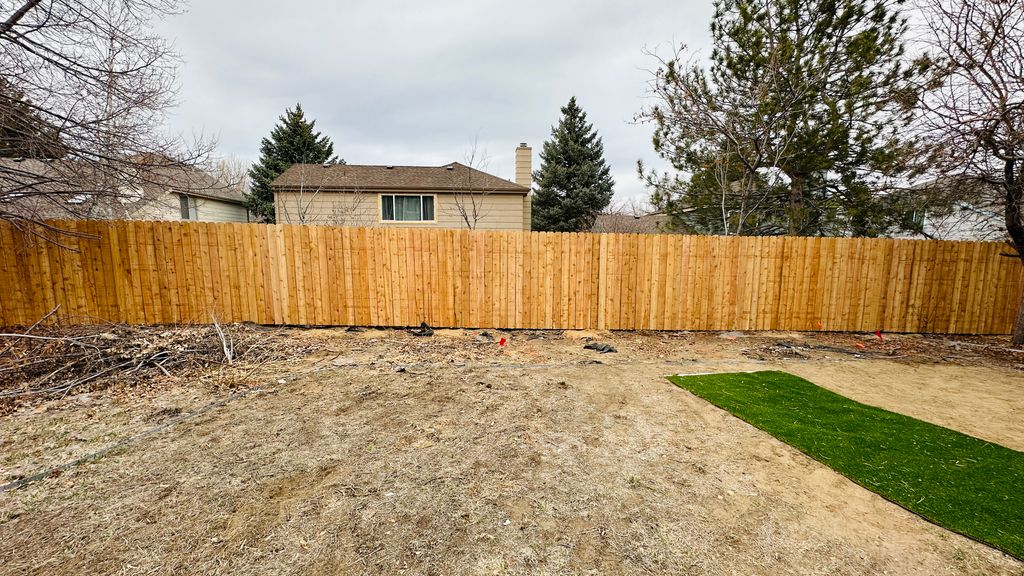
(478, 459)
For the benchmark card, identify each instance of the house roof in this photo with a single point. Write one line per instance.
(632, 224)
(200, 184)
(69, 189)
(453, 177)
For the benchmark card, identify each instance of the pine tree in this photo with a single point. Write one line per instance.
(574, 183)
(23, 132)
(292, 141)
(817, 91)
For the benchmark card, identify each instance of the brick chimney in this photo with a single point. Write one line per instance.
(524, 177)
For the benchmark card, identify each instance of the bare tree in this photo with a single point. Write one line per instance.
(231, 171)
(309, 202)
(743, 189)
(631, 216)
(975, 112)
(300, 205)
(740, 146)
(470, 197)
(631, 207)
(96, 77)
(356, 209)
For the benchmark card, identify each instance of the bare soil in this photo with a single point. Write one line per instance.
(379, 452)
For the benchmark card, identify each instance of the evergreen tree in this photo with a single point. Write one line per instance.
(292, 141)
(811, 94)
(23, 133)
(721, 198)
(574, 183)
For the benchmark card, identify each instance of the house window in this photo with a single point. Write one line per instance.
(188, 208)
(406, 208)
(914, 219)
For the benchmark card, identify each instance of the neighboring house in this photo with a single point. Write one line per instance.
(449, 196)
(59, 189)
(632, 224)
(194, 196)
(964, 222)
(958, 208)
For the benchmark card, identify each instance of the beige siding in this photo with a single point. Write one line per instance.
(168, 207)
(333, 209)
(524, 166)
(208, 210)
(494, 211)
(163, 207)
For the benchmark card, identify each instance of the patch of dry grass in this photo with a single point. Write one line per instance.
(526, 459)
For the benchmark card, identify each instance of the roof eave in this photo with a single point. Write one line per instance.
(294, 188)
(238, 201)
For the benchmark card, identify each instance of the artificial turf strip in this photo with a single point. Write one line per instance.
(957, 481)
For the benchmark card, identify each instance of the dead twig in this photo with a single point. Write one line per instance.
(43, 319)
(228, 347)
(62, 360)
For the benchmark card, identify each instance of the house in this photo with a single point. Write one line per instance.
(192, 195)
(62, 189)
(449, 196)
(957, 208)
(962, 221)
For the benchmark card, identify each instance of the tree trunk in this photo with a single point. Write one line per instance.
(1015, 228)
(796, 205)
(18, 15)
(1018, 326)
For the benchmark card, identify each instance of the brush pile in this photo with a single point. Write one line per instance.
(50, 362)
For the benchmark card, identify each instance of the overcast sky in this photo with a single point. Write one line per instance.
(412, 82)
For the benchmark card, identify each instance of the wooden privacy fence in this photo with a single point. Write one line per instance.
(180, 272)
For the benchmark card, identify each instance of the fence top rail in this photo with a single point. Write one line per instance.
(68, 225)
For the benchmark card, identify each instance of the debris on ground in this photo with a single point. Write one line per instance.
(775, 351)
(600, 347)
(423, 330)
(53, 361)
(786, 349)
(165, 413)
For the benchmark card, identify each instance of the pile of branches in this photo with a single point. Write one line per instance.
(48, 362)
(786, 350)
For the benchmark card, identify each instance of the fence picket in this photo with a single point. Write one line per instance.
(166, 272)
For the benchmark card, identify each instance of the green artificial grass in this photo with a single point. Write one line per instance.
(957, 481)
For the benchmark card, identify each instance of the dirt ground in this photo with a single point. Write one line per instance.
(379, 452)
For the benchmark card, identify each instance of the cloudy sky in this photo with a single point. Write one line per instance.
(412, 82)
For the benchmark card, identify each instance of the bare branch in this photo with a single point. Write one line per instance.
(469, 197)
(84, 91)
